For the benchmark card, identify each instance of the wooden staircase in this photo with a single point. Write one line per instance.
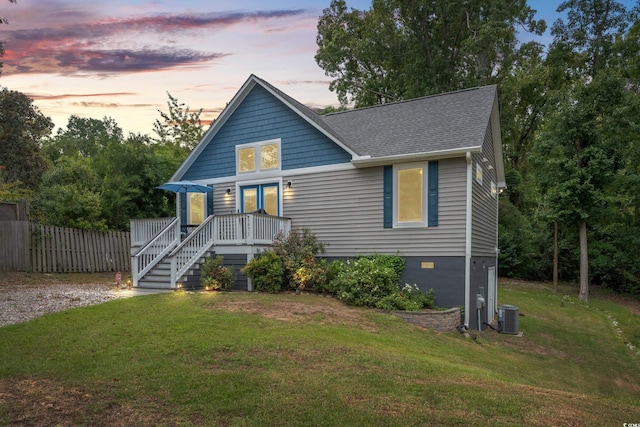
(163, 258)
(160, 276)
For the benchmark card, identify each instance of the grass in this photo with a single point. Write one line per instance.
(240, 359)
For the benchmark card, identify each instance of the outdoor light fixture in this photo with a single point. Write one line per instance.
(228, 191)
(289, 184)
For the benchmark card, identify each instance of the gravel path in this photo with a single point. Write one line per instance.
(25, 303)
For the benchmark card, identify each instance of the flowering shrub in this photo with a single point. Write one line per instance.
(363, 282)
(409, 298)
(372, 281)
(395, 262)
(298, 250)
(266, 272)
(215, 276)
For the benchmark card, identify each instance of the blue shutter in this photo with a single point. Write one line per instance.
(209, 203)
(433, 194)
(183, 211)
(388, 196)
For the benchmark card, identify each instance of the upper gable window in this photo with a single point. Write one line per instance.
(258, 156)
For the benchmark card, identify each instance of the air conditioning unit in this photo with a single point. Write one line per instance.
(508, 319)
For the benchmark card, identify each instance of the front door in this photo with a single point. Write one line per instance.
(261, 196)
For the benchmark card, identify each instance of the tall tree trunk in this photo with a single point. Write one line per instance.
(584, 264)
(555, 256)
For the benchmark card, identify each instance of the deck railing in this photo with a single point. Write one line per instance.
(143, 230)
(235, 229)
(156, 249)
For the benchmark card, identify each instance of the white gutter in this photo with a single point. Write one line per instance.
(368, 161)
(467, 251)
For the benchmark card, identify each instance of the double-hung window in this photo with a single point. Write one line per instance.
(411, 195)
(258, 157)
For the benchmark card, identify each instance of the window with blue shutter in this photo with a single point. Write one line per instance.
(410, 195)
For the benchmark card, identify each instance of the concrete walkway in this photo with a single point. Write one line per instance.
(136, 292)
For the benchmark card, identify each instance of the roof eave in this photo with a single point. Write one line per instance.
(368, 161)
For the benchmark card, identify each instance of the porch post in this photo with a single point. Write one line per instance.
(249, 282)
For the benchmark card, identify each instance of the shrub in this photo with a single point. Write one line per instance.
(329, 283)
(363, 282)
(214, 275)
(266, 272)
(409, 298)
(297, 251)
(395, 262)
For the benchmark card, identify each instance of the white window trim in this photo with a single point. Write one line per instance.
(256, 146)
(425, 195)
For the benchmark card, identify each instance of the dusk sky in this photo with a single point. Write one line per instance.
(119, 58)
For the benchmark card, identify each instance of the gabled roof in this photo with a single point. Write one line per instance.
(438, 123)
(434, 126)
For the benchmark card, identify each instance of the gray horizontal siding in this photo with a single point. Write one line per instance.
(345, 210)
(484, 224)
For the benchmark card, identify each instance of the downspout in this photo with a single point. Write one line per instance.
(467, 250)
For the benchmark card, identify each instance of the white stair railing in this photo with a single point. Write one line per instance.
(234, 229)
(151, 253)
(187, 253)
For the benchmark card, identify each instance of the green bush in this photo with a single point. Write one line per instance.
(394, 262)
(364, 282)
(330, 284)
(297, 251)
(409, 298)
(215, 276)
(266, 272)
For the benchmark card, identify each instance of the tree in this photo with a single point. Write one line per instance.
(402, 49)
(179, 127)
(69, 196)
(123, 173)
(22, 127)
(3, 21)
(581, 148)
(84, 137)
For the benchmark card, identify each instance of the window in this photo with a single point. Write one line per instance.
(479, 174)
(196, 208)
(260, 196)
(410, 183)
(258, 156)
(410, 195)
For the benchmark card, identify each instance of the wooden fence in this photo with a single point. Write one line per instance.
(26, 246)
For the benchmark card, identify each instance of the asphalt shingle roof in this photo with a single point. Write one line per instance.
(455, 120)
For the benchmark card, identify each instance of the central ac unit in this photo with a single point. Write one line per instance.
(508, 319)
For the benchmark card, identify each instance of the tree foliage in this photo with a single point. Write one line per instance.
(22, 127)
(3, 21)
(404, 49)
(180, 126)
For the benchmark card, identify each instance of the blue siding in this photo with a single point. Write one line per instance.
(260, 117)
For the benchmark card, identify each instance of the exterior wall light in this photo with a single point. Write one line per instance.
(289, 184)
(228, 191)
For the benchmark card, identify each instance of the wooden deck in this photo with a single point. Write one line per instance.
(156, 241)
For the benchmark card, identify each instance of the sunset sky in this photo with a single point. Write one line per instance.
(119, 58)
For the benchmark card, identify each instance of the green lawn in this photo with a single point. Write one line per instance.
(246, 359)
